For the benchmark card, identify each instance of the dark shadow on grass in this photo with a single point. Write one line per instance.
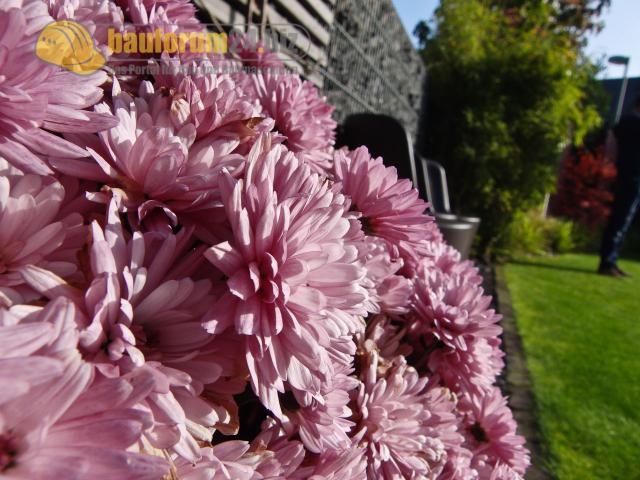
(554, 267)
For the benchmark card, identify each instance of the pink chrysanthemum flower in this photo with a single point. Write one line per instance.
(32, 232)
(37, 98)
(323, 424)
(440, 256)
(225, 461)
(280, 457)
(64, 425)
(389, 208)
(254, 53)
(97, 16)
(452, 309)
(471, 370)
(408, 427)
(458, 464)
(350, 463)
(159, 323)
(388, 293)
(387, 337)
(174, 15)
(218, 108)
(491, 433)
(155, 167)
(453, 324)
(300, 114)
(142, 317)
(502, 472)
(288, 268)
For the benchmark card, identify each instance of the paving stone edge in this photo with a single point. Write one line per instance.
(517, 381)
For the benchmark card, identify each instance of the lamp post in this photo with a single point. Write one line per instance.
(621, 60)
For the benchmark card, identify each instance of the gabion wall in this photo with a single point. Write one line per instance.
(358, 52)
(372, 65)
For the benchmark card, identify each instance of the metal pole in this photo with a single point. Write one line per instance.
(623, 92)
(250, 8)
(263, 19)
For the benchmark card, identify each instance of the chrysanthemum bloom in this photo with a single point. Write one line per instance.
(452, 309)
(32, 232)
(323, 424)
(390, 208)
(458, 464)
(306, 193)
(97, 16)
(174, 15)
(350, 463)
(37, 98)
(452, 322)
(141, 317)
(252, 52)
(300, 114)
(388, 338)
(156, 168)
(21, 369)
(503, 472)
(446, 259)
(288, 267)
(408, 427)
(491, 433)
(218, 108)
(388, 293)
(60, 423)
(280, 457)
(159, 322)
(472, 370)
(225, 461)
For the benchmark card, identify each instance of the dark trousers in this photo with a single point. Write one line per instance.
(625, 207)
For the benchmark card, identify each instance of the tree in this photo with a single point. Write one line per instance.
(506, 92)
(576, 17)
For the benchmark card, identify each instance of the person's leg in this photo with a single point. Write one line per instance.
(625, 206)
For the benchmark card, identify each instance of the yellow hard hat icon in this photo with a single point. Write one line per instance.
(68, 44)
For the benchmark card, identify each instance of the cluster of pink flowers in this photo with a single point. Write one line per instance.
(194, 284)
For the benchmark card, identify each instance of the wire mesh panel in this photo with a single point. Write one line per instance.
(372, 64)
(357, 51)
(306, 24)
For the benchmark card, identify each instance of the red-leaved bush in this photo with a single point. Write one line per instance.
(584, 187)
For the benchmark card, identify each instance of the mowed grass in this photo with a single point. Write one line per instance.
(581, 335)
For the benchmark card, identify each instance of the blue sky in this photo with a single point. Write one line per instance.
(621, 34)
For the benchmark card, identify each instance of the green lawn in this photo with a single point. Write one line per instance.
(581, 335)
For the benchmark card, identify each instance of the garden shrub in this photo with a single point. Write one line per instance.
(584, 187)
(531, 233)
(507, 88)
